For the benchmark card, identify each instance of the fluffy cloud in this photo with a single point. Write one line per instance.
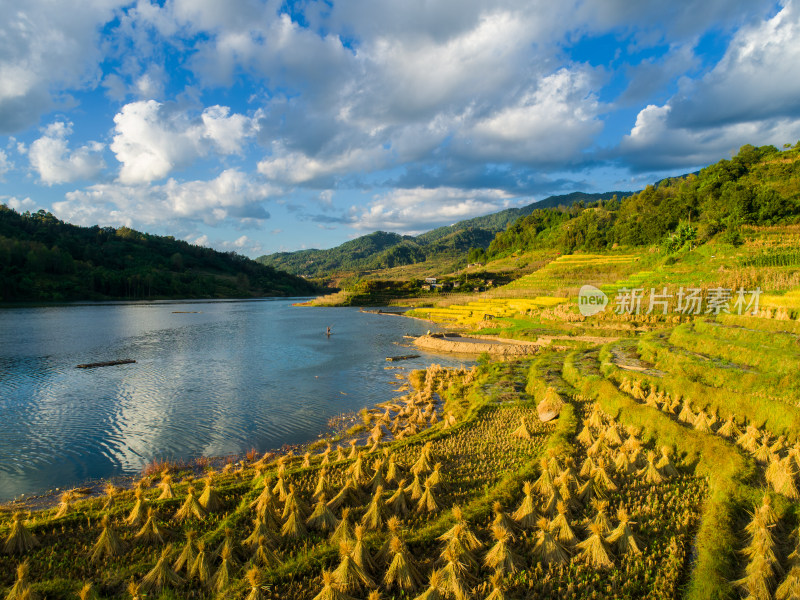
(758, 78)
(551, 124)
(153, 139)
(416, 210)
(297, 167)
(655, 144)
(232, 196)
(5, 164)
(657, 21)
(19, 205)
(242, 245)
(418, 77)
(51, 158)
(750, 96)
(46, 48)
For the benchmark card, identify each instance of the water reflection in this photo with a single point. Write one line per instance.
(231, 376)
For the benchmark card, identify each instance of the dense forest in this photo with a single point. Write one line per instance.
(45, 259)
(381, 250)
(758, 186)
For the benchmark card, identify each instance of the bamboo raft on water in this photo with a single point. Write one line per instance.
(110, 363)
(404, 357)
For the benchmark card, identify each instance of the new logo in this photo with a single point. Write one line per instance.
(591, 300)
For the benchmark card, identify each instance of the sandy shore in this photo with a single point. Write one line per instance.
(478, 344)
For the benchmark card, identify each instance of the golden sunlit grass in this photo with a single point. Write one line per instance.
(650, 483)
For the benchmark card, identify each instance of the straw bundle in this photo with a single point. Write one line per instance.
(376, 511)
(344, 530)
(623, 536)
(190, 507)
(87, 592)
(161, 575)
(293, 528)
(322, 519)
(19, 539)
(293, 503)
(260, 532)
(201, 566)
(403, 571)
(455, 576)
(360, 553)
(548, 548)
(330, 590)
(349, 576)
(222, 578)
(187, 556)
(263, 556)
(398, 502)
(108, 544)
(522, 432)
(210, 499)
(166, 487)
(594, 550)
(500, 557)
(428, 501)
(254, 580)
(151, 532)
(435, 586)
(21, 590)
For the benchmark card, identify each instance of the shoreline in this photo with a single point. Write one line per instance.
(338, 425)
(479, 344)
(335, 431)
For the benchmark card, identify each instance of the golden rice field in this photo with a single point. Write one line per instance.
(672, 471)
(459, 491)
(724, 394)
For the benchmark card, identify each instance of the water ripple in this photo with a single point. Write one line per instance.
(235, 375)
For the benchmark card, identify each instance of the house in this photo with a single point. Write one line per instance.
(431, 280)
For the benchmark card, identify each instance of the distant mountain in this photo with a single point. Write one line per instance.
(381, 250)
(45, 259)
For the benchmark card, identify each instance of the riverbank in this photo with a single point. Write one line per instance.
(479, 344)
(344, 429)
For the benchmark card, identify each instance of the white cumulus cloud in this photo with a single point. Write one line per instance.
(655, 144)
(19, 205)
(550, 124)
(420, 209)
(45, 48)
(52, 159)
(232, 196)
(152, 139)
(757, 78)
(5, 164)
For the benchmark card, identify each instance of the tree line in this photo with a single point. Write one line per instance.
(45, 259)
(758, 186)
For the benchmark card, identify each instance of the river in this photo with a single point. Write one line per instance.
(211, 378)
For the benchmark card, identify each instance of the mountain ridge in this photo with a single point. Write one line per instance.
(381, 249)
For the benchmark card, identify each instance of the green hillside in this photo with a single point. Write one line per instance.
(381, 250)
(758, 186)
(44, 259)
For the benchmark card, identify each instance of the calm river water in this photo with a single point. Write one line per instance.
(211, 378)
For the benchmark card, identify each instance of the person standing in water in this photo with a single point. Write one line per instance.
(328, 331)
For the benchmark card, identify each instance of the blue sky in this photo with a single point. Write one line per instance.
(260, 126)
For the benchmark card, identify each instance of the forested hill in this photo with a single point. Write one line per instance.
(758, 186)
(381, 250)
(44, 259)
